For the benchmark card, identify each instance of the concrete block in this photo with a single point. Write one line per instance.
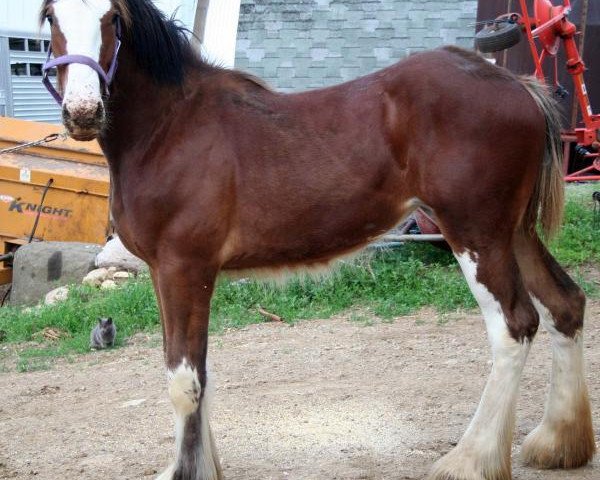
(41, 267)
(318, 54)
(369, 64)
(320, 34)
(255, 54)
(370, 25)
(350, 73)
(316, 72)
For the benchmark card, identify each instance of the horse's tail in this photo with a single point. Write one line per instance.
(547, 202)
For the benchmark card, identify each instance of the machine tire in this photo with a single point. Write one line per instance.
(494, 38)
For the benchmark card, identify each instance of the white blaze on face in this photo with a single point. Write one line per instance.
(80, 24)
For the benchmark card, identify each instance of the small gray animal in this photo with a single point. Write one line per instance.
(103, 334)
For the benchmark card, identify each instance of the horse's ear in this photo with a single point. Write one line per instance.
(100, 320)
(42, 14)
(123, 12)
(109, 320)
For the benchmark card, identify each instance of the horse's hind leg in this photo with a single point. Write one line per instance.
(565, 438)
(492, 273)
(185, 291)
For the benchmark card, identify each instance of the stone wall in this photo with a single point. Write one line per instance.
(299, 44)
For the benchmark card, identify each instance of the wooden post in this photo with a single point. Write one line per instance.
(200, 20)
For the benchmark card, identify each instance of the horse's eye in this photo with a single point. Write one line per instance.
(115, 18)
(49, 19)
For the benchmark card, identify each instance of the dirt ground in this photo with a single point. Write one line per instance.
(320, 400)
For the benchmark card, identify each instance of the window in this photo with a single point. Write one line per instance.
(18, 69)
(17, 44)
(46, 45)
(34, 45)
(35, 69)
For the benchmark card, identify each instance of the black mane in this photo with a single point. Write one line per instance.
(161, 46)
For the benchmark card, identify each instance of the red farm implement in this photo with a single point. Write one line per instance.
(545, 27)
(546, 30)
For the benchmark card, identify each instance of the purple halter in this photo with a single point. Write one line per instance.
(107, 77)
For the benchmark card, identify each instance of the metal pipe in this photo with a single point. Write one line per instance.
(200, 20)
(39, 212)
(422, 237)
(7, 257)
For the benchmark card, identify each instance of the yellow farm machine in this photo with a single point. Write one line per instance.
(50, 189)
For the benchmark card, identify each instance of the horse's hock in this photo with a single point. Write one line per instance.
(40, 267)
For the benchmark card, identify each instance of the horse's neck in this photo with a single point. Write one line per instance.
(137, 109)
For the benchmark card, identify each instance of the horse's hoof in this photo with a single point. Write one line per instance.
(167, 474)
(571, 447)
(467, 464)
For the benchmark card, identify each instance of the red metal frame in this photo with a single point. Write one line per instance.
(550, 26)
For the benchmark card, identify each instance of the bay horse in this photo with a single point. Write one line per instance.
(213, 171)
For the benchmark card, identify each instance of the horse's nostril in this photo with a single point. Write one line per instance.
(79, 117)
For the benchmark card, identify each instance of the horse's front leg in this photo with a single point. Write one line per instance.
(185, 290)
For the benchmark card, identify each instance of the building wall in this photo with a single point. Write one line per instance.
(21, 17)
(23, 95)
(28, 98)
(299, 44)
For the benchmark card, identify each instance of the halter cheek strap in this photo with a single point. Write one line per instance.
(106, 77)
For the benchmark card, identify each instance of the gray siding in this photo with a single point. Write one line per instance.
(30, 99)
(299, 44)
(5, 85)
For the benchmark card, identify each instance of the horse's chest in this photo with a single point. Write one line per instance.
(134, 225)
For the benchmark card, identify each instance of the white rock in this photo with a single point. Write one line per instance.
(114, 254)
(108, 285)
(121, 277)
(95, 277)
(133, 403)
(57, 295)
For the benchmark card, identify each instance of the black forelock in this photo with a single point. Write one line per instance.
(161, 46)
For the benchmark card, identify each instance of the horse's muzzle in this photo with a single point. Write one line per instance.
(84, 123)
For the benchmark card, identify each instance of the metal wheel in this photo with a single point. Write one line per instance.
(499, 36)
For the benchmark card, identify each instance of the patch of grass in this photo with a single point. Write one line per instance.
(590, 287)
(133, 305)
(25, 364)
(579, 239)
(386, 284)
(362, 318)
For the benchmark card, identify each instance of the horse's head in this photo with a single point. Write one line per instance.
(84, 39)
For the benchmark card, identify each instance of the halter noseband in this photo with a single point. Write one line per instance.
(107, 77)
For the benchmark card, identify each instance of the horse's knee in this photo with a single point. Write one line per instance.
(523, 320)
(568, 317)
(185, 389)
(564, 312)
